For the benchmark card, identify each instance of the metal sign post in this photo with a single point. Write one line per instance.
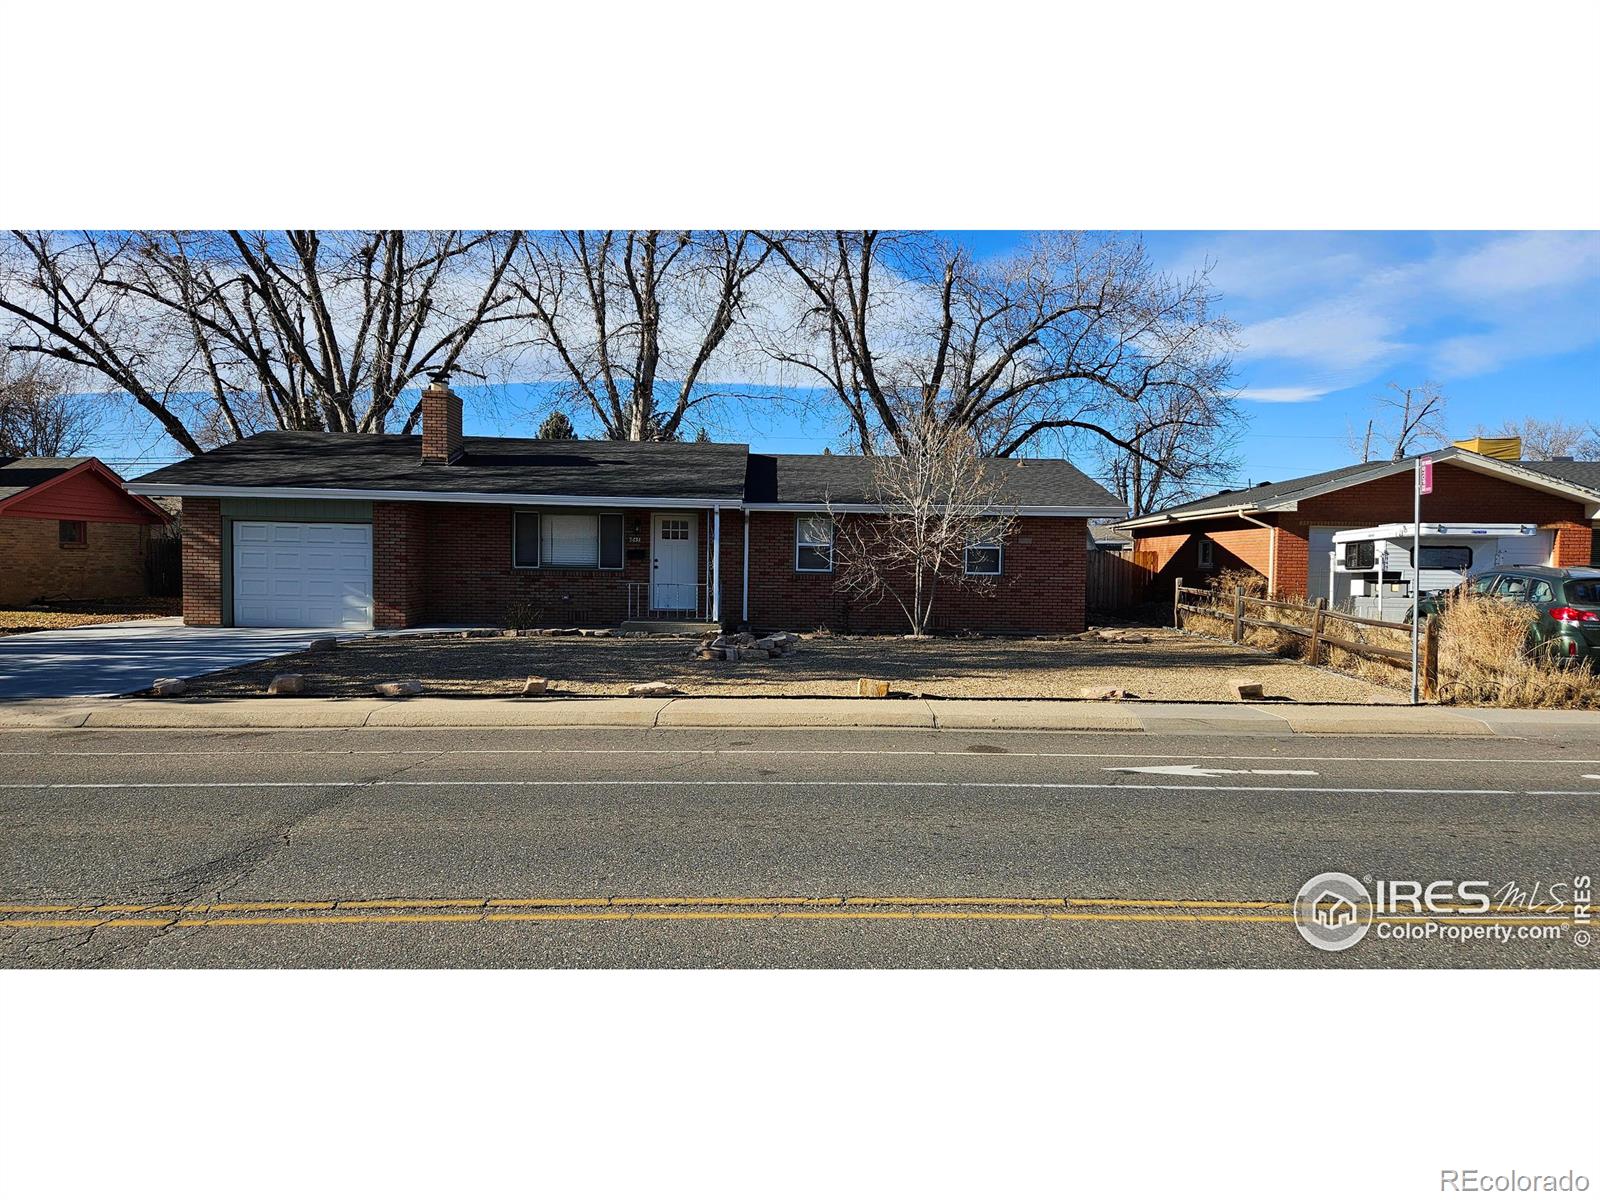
(1422, 484)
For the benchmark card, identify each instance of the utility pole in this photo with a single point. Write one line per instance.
(1421, 484)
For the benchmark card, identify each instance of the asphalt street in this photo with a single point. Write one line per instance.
(770, 848)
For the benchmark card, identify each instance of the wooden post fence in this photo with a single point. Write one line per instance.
(1238, 614)
(1430, 658)
(1318, 615)
(1177, 602)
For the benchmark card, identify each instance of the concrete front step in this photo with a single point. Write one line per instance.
(686, 627)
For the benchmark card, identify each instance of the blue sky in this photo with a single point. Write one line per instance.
(1508, 324)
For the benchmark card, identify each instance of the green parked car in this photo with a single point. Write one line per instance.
(1568, 600)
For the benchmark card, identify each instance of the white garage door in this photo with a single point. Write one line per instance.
(1319, 561)
(302, 576)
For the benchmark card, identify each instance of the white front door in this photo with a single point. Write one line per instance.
(672, 574)
(293, 574)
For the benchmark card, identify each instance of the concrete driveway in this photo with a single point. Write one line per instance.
(125, 656)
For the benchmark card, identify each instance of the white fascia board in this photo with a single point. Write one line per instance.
(255, 493)
(1156, 520)
(1112, 512)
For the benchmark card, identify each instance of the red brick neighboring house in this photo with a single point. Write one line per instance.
(69, 529)
(1284, 531)
(363, 530)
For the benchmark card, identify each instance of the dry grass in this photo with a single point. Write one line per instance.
(1168, 667)
(1484, 659)
(86, 612)
(1483, 653)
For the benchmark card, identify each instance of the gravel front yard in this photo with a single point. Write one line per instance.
(96, 612)
(1168, 667)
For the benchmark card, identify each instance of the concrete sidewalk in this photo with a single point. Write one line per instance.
(723, 713)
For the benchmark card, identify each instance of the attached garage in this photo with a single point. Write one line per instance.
(305, 575)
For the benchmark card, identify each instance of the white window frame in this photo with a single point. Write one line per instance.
(984, 544)
(1205, 553)
(800, 523)
(540, 565)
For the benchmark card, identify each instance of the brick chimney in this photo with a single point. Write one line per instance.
(441, 422)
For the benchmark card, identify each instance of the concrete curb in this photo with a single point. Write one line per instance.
(711, 712)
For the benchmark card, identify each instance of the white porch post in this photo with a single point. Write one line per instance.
(716, 564)
(744, 586)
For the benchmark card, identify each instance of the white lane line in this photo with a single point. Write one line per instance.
(856, 784)
(1195, 772)
(817, 752)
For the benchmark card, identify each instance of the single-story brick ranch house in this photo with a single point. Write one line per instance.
(70, 529)
(385, 530)
(1285, 531)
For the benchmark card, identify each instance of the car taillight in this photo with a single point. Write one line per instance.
(1573, 616)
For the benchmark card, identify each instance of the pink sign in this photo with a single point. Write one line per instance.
(1427, 477)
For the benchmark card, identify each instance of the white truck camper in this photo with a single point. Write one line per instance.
(1371, 573)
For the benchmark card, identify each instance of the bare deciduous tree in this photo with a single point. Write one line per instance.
(1541, 439)
(220, 333)
(631, 320)
(1176, 461)
(1404, 419)
(939, 497)
(40, 416)
(904, 328)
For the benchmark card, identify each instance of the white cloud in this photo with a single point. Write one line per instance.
(1283, 395)
(1343, 334)
(1524, 262)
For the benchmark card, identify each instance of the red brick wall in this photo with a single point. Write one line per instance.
(34, 565)
(202, 562)
(468, 575)
(1236, 545)
(398, 571)
(1042, 588)
(1574, 547)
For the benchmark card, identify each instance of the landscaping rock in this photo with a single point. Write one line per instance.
(874, 689)
(768, 643)
(595, 632)
(749, 653)
(400, 687)
(1097, 693)
(1247, 689)
(287, 684)
(510, 632)
(169, 685)
(535, 686)
(654, 688)
(323, 646)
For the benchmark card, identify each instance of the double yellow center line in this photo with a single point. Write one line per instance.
(483, 910)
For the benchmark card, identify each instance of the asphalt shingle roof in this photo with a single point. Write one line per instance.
(1584, 474)
(529, 467)
(507, 466)
(847, 479)
(19, 474)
